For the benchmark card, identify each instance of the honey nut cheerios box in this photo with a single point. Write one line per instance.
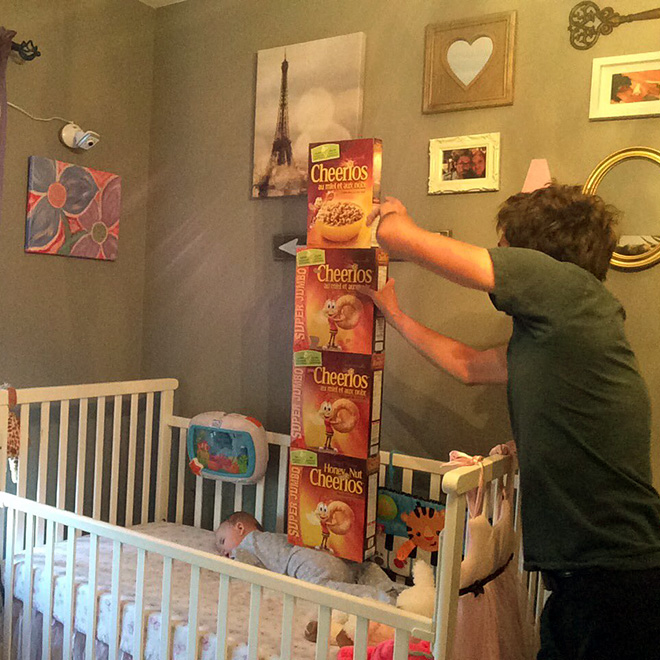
(330, 313)
(336, 402)
(332, 503)
(343, 185)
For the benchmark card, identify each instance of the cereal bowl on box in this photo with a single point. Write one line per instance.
(340, 221)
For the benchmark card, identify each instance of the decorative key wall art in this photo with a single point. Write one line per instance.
(72, 210)
(469, 63)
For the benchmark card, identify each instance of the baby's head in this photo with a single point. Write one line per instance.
(233, 530)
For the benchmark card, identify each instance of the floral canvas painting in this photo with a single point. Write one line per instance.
(72, 210)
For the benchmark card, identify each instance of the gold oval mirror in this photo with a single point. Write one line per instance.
(632, 186)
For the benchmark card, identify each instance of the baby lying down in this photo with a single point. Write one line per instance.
(241, 537)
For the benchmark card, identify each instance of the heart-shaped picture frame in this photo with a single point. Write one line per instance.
(469, 63)
(467, 60)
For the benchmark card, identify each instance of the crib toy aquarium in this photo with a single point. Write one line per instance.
(227, 446)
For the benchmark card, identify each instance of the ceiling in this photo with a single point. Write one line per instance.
(160, 3)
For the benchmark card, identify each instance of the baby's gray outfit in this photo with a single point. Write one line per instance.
(275, 553)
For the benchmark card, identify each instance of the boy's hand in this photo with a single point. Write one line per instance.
(395, 224)
(385, 299)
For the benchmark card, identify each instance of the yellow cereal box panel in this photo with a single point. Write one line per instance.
(330, 313)
(344, 184)
(332, 503)
(336, 402)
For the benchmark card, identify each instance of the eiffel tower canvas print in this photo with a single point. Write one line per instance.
(307, 92)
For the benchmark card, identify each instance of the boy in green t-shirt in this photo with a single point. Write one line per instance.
(579, 409)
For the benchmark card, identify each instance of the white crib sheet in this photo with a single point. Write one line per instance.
(239, 601)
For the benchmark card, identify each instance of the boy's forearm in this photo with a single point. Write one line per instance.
(462, 263)
(450, 355)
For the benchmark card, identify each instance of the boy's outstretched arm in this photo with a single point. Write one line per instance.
(469, 365)
(462, 263)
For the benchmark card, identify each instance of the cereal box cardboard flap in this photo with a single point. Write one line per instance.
(227, 446)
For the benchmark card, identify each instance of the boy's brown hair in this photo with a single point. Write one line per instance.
(243, 517)
(564, 223)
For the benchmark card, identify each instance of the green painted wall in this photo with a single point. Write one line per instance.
(71, 320)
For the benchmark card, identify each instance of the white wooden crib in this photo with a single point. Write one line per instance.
(106, 457)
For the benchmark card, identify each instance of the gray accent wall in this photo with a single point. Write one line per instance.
(67, 320)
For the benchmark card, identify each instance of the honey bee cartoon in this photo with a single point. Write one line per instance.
(343, 313)
(340, 416)
(424, 525)
(335, 517)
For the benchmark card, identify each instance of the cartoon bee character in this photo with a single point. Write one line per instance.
(335, 517)
(344, 313)
(340, 416)
(424, 525)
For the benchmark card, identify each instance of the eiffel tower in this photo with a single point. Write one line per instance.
(281, 152)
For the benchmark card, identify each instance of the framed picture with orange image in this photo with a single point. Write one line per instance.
(625, 86)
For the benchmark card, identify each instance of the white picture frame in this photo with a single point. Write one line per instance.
(467, 163)
(603, 81)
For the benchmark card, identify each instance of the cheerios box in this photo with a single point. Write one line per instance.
(336, 402)
(330, 313)
(343, 185)
(332, 503)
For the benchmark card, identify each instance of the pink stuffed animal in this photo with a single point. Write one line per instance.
(385, 651)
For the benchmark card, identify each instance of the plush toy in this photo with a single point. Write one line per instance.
(419, 599)
(385, 651)
(13, 435)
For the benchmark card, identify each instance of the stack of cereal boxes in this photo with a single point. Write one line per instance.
(339, 338)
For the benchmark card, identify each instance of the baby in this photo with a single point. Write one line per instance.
(241, 537)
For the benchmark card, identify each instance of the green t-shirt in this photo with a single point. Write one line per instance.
(580, 415)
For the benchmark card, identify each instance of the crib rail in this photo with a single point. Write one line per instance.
(88, 448)
(405, 624)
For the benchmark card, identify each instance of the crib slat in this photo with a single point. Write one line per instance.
(253, 625)
(181, 476)
(9, 571)
(62, 461)
(193, 607)
(93, 601)
(287, 626)
(48, 614)
(238, 497)
(98, 456)
(21, 488)
(138, 623)
(361, 636)
(323, 633)
(217, 505)
(165, 609)
(26, 626)
(146, 473)
(434, 489)
(401, 644)
(199, 483)
(223, 611)
(70, 586)
(42, 481)
(259, 500)
(130, 477)
(116, 447)
(382, 474)
(407, 480)
(82, 456)
(282, 475)
(115, 627)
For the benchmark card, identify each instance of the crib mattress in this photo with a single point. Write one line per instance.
(239, 601)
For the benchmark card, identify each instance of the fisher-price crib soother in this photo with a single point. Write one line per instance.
(227, 446)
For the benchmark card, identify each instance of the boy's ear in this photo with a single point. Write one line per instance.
(240, 527)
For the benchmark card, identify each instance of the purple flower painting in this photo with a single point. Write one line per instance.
(72, 210)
